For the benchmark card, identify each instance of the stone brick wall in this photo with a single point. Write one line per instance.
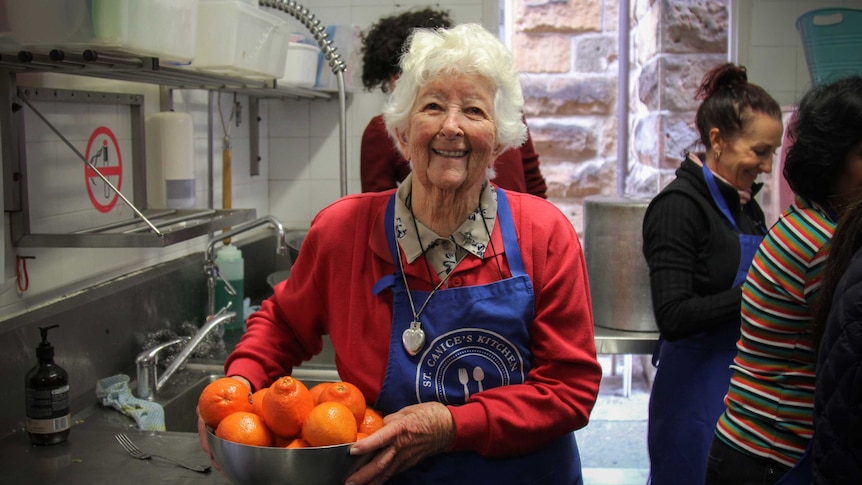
(674, 43)
(568, 51)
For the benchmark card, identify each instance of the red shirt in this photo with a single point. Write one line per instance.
(382, 166)
(330, 292)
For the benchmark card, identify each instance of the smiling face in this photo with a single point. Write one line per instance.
(451, 136)
(745, 156)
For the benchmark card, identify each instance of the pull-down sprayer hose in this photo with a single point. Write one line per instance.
(335, 64)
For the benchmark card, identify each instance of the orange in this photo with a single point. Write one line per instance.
(246, 428)
(317, 389)
(329, 423)
(360, 436)
(281, 441)
(347, 394)
(285, 406)
(221, 398)
(371, 421)
(298, 443)
(257, 401)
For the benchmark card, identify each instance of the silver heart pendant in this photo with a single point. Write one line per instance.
(413, 339)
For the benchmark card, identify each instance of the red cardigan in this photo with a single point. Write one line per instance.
(329, 292)
(382, 166)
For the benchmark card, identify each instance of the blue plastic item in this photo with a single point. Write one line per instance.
(832, 39)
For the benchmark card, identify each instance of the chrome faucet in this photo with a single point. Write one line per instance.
(148, 381)
(210, 266)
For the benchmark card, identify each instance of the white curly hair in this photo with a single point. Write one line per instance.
(463, 49)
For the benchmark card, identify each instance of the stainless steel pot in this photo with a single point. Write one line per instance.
(294, 242)
(618, 274)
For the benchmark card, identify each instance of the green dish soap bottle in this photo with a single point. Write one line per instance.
(49, 418)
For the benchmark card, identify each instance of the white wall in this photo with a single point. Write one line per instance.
(765, 40)
(299, 173)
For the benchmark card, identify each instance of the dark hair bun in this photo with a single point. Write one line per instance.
(726, 76)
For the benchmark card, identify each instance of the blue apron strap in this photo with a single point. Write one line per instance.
(717, 197)
(389, 280)
(510, 237)
(656, 352)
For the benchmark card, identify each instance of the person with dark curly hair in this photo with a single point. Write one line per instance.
(699, 237)
(382, 166)
(763, 435)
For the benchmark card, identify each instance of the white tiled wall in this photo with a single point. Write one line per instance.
(299, 173)
(766, 41)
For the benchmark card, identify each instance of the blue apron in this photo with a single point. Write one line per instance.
(801, 473)
(478, 338)
(691, 381)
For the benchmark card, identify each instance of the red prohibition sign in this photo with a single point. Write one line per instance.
(101, 196)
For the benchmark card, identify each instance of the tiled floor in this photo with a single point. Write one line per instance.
(613, 445)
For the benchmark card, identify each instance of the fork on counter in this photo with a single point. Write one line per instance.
(136, 452)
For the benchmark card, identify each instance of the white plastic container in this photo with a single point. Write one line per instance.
(231, 267)
(154, 28)
(170, 138)
(238, 38)
(300, 67)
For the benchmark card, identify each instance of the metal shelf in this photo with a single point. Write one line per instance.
(147, 228)
(175, 226)
(613, 341)
(151, 227)
(147, 70)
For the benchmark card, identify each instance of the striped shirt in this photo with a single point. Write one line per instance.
(770, 401)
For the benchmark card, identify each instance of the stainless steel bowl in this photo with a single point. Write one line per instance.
(257, 465)
(294, 242)
(277, 277)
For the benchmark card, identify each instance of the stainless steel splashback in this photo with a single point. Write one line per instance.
(619, 277)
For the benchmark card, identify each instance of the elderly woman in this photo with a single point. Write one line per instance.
(461, 311)
(700, 234)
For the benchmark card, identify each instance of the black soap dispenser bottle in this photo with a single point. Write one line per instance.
(47, 396)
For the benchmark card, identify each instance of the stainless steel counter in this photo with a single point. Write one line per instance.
(92, 456)
(612, 341)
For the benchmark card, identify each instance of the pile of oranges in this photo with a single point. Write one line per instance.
(287, 414)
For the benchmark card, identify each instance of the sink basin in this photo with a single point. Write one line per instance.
(179, 397)
(180, 407)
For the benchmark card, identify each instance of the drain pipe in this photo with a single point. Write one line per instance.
(623, 96)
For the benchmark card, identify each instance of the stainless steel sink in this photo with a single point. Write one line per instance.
(179, 396)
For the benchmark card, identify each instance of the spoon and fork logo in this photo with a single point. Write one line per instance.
(464, 379)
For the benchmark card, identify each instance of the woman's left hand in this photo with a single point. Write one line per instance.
(407, 437)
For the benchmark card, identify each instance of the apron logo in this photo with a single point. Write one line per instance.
(463, 362)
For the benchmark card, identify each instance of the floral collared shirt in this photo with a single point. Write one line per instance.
(443, 254)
